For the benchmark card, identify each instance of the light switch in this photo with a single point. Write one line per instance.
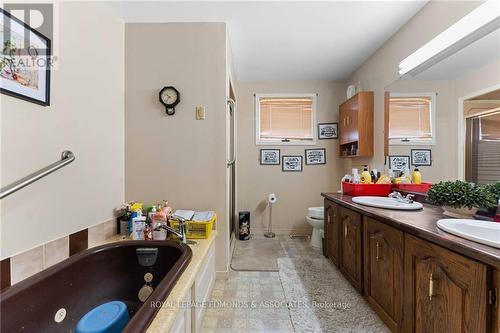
(200, 113)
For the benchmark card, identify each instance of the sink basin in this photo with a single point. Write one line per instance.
(478, 231)
(387, 203)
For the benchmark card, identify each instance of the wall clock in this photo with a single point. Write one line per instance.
(169, 97)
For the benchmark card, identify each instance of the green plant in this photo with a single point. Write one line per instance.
(459, 194)
(495, 189)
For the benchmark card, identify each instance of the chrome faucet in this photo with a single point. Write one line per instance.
(399, 197)
(181, 233)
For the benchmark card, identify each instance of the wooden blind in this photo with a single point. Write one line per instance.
(286, 118)
(410, 118)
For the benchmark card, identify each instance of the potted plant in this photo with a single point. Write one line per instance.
(460, 199)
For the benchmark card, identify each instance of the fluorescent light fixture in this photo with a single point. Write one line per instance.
(475, 25)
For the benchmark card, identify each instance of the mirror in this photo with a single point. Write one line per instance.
(446, 119)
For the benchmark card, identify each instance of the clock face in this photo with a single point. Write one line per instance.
(169, 96)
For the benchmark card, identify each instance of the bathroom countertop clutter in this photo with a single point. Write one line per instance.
(423, 224)
(170, 308)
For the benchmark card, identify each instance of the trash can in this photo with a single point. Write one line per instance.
(244, 225)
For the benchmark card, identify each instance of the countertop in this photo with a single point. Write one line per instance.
(166, 315)
(423, 224)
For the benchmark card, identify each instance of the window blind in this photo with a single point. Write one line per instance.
(410, 118)
(286, 118)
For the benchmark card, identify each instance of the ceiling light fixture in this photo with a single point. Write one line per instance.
(475, 25)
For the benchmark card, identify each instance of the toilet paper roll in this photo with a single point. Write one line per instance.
(272, 198)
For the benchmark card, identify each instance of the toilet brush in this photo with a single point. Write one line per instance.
(271, 199)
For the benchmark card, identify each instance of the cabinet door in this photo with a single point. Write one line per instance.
(444, 291)
(332, 215)
(383, 271)
(343, 130)
(350, 243)
(352, 121)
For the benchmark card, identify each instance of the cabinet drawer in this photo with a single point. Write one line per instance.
(383, 271)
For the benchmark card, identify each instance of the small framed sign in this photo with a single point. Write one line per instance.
(399, 162)
(269, 157)
(292, 163)
(421, 157)
(315, 156)
(328, 131)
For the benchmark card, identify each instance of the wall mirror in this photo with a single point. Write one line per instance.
(446, 118)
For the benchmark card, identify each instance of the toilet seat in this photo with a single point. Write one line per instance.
(316, 212)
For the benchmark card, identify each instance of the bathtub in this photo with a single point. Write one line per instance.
(88, 279)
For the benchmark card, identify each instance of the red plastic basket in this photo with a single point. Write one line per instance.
(357, 190)
(419, 188)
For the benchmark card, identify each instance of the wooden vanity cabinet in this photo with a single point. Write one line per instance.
(383, 271)
(356, 124)
(351, 246)
(443, 291)
(332, 229)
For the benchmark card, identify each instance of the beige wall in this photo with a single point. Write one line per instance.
(177, 157)
(85, 116)
(381, 69)
(296, 191)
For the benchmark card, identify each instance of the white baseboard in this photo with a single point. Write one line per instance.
(221, 275)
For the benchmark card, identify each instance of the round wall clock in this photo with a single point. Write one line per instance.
(170, 97)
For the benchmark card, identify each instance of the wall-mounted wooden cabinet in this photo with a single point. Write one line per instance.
(356, 126)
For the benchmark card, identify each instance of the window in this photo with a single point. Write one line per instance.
(483, 148)
(285, 119)
(411, 118)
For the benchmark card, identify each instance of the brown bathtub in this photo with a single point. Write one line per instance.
(88, 279)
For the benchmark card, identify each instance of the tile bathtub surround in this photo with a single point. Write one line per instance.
(55, 251)
(78, 241)
(5, 273)
(26, 264)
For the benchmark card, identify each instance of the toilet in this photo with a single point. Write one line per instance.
(315, 218)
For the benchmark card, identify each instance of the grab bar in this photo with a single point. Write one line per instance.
(66, 158)
(232, 110)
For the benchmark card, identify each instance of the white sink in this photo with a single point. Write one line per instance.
(387, 203)
(483, 232)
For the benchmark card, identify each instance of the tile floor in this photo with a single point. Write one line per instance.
(254, 301)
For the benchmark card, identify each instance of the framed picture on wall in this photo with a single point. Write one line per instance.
(292, 163)
(25, 61)
(328, 131)
(421, 157)
(269, 157)
(399, 162)
(315, 156)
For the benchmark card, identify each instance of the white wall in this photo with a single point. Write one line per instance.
(296, 191)
(86, 115)
(177, 157)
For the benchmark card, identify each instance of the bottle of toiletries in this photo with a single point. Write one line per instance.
(497, 215)
(416, 176)
(138, 225)
(356, 179)
(373, 173)
(366, 178)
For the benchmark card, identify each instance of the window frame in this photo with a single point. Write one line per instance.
(398, 142)
(259, 142)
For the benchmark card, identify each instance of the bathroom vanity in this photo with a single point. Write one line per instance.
(416, 277)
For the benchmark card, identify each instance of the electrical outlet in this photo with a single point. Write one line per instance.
(200, 113)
